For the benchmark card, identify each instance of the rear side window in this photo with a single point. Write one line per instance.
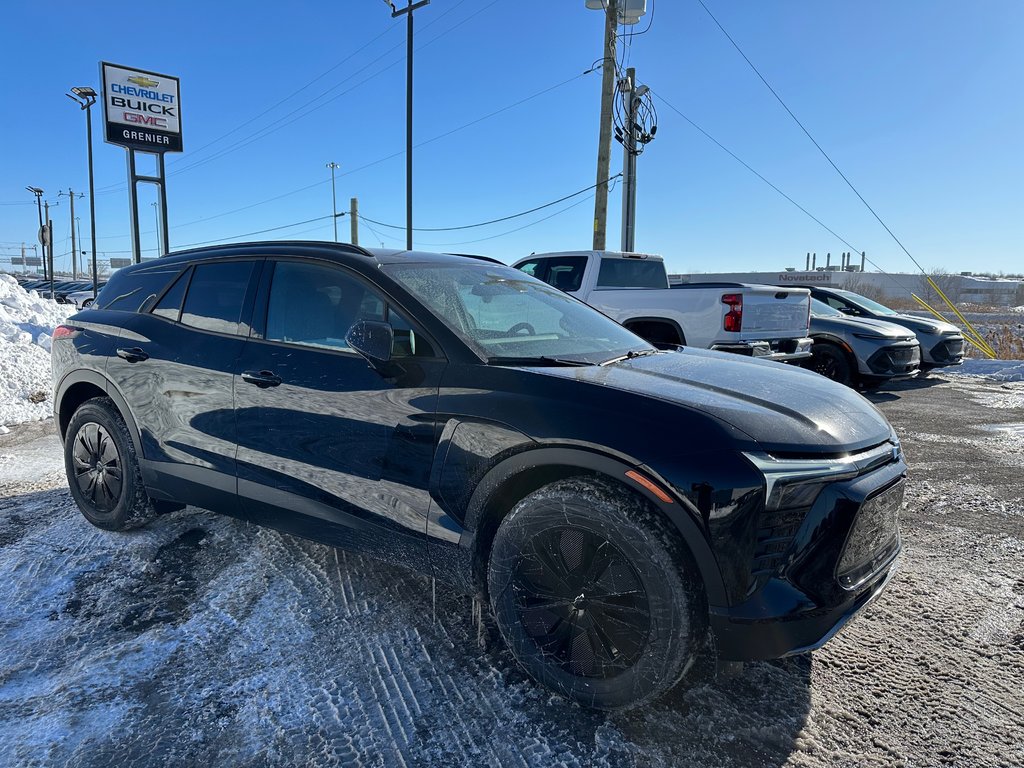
(129, 290)
(169, 305)
(632, 273)
(216, 295)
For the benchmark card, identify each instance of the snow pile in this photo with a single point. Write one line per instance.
(1000, 370)
(26, 328)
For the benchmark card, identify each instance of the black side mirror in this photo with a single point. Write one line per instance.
(373, 340)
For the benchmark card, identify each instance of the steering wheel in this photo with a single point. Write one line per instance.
(521, 327)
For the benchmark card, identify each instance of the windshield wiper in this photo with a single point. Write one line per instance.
(633, 353)
(541, 360)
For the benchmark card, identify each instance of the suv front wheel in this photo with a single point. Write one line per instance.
(102, 468)
(595, 595)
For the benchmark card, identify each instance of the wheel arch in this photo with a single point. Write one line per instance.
(525, 472)
(79, 386)
(663, 323)
(846, 349)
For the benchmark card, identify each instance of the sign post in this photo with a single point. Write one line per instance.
(142, 113)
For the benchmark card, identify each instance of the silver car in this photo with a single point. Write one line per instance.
(858, 351)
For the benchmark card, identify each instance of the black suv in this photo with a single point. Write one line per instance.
(613, 502)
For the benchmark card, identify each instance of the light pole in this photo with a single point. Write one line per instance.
(395, 13)
(334, 199)
(85, 97)
(39, 204)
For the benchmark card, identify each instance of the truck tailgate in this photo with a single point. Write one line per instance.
(781, 311)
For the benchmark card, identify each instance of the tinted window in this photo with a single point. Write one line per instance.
(215, 296)
(170, 305)
(564, 272)
(632, 273)
(130, 289)
(316, 305)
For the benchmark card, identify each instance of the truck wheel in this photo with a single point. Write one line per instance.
(102, 469)
(831, 362)
(595, 595)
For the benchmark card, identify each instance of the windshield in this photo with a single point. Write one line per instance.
(821, 309)
(866, 303)
(503, 313)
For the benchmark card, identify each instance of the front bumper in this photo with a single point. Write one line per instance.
(757, 638)
(776, 349)
(948, 350)
(895, 361)
(797, 600)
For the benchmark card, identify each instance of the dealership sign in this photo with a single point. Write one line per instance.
(141, 109)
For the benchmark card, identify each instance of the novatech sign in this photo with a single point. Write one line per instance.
(805, 277)
(141, 109)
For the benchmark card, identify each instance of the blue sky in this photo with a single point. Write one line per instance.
(918, 102)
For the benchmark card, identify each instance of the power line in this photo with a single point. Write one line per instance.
(299, 114)
(809, 136)
(746, 165)
(496, 221)
(379, 160)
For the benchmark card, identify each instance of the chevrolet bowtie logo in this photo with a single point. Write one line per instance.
(143, 82)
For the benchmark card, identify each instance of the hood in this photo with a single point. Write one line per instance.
(844, 325)
(923, 324)
(781, 408)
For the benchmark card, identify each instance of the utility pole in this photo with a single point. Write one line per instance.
(407, 11)
(49, 241)
(353, 216)
(74, 250)
(42, 232)
(334, 199)
(604, 142)
(629, 164)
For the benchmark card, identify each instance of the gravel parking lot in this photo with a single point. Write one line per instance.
(204, 640)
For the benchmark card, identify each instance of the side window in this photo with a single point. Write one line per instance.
(316, 305)
(216, 295)
(130, 289)
(566, 273)
(170, 305)
(835, 303)
(533, 268)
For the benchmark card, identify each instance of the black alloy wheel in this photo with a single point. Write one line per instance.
(98, 466)
(831, 362)
(102, 468)
(596, 594)
(582, 602)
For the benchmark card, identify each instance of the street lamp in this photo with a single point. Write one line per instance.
(334, 199)
(85, 97)
(39, 204)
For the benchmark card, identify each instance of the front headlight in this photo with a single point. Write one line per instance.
(872, 336)
(793, 483)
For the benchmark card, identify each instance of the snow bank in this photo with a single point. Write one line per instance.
(1000, 370)
(26, 328)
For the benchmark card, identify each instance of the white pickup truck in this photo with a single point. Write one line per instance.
(633, 289)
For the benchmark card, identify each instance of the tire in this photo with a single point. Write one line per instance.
(622, 649)
(102, 468)
(831, 362)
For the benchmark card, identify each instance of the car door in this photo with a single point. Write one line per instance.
(175, 365)
(328, 446)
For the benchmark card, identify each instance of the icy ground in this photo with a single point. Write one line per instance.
(202, 640)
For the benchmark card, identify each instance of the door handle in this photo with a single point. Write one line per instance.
(261, 379)
(132, 355)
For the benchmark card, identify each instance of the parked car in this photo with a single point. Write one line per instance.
(613, 503)
(83, 298)
(859, 351)
(941, 343)
(633, 288)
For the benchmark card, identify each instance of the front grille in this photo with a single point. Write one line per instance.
(775, 533)
(873, 539)
(895, 360)
(948, 351)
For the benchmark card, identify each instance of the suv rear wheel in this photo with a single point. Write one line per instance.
(594, 596)
(102, 468)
